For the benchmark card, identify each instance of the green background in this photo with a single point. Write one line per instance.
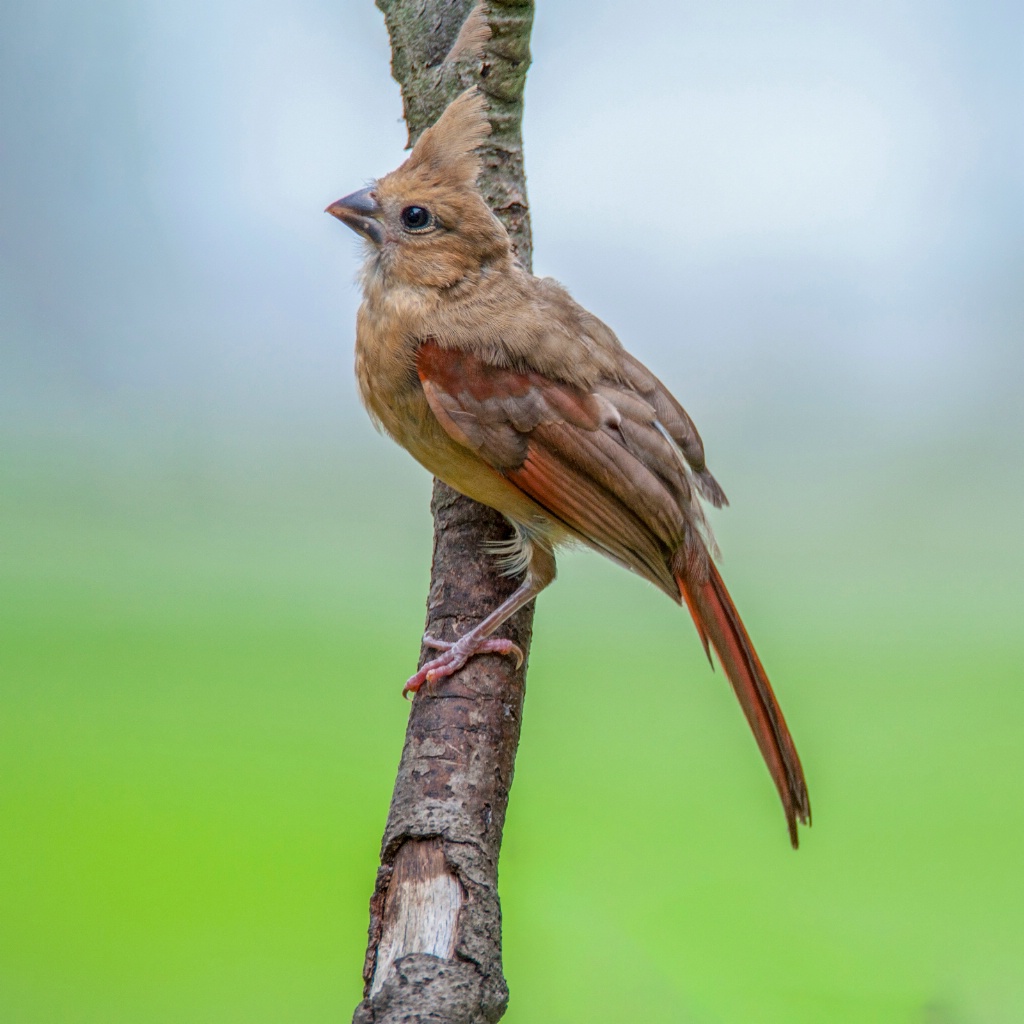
(202, 718)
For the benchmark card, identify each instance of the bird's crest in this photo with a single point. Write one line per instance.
(448, 149)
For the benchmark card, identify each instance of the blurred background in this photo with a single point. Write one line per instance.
(808, 219)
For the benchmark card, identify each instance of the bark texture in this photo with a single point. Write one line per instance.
(434, 951)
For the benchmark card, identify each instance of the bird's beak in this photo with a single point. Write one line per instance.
(360, 211)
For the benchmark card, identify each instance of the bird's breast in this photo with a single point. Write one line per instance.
(393, 395)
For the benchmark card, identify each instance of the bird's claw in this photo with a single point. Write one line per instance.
(455, 655)
(492, 645)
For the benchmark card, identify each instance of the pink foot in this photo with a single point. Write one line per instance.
(455, 656)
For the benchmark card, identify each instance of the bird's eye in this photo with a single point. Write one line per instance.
(416, 218)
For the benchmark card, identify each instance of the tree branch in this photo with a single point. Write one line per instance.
(434, 951)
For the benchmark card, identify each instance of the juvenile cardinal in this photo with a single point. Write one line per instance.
(509, 391)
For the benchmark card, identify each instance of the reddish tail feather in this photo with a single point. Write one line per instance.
(719, 624)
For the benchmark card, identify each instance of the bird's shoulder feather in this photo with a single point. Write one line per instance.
(511, 318)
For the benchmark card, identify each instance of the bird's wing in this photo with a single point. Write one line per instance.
(601, 461)
(677, 423)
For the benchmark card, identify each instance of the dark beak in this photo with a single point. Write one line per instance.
(360, 211)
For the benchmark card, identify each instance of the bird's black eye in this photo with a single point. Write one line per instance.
(416, 218)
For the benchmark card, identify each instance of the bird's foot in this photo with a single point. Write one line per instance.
(455, 655)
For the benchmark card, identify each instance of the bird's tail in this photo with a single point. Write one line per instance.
(719, 624)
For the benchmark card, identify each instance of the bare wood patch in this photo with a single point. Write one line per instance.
(421, 911)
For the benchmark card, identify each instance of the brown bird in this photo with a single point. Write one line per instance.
(505, 388)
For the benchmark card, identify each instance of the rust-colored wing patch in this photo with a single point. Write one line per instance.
(599, 461)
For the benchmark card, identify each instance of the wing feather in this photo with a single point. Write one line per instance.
(593, 514)
(677, 424)
(601, 461)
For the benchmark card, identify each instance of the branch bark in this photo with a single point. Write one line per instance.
(434, 951)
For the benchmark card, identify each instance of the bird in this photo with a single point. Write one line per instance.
(508, 390)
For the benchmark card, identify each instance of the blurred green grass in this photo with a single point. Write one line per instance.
(200, 720)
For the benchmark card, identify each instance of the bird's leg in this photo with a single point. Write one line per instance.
(539, 573)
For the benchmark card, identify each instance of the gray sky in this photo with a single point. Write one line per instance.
(794, 212)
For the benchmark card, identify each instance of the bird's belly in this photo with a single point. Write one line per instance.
(410, 422)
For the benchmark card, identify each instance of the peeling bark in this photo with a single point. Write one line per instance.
(434, 951)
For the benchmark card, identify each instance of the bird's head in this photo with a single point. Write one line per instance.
(426, 223)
